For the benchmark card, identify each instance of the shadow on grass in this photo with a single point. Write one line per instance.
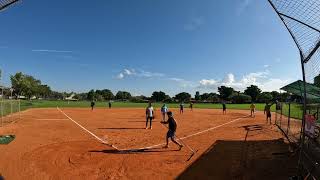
(265, 159)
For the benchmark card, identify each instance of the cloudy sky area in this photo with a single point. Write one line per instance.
(143, 46)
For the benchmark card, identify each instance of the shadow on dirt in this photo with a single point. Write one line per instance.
(263, 159)
(144, 121)
(120, 128)
(133, 151)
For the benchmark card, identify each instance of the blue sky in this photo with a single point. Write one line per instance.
(142, 45)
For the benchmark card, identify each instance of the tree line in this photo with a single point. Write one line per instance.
(29, 87)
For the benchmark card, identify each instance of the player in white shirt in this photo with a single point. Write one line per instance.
(149, 115)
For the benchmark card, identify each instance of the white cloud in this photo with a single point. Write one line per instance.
(182, 82)
(50, 51)
(148, 74)
(208, 82)
(274, 84)
(229, 79)
(260, 79)
(194, 23)
(120, 76)
(266, 65)
(176, 79)
(138, 73)
(128, 72)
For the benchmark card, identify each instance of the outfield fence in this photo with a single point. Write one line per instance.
(9, 111)
(288, 119)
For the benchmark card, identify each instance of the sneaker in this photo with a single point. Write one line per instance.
(180, 147)
(146, 127)
(166, 146)
(150, 127)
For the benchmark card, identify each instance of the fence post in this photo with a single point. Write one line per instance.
(281, 116)
(317, 113)
(19, 109)
(1, 111)
(289, 115)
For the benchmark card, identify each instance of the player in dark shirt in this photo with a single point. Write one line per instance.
(267, 112)
(181, 108)
(224, 108)
(172, 130)
(92, 104)
(109, 104)
(191, 106)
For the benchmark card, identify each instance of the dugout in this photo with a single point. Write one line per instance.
(289, 111)
(289, 120)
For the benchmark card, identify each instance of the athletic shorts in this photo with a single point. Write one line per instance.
(171, 134)
(268, 114)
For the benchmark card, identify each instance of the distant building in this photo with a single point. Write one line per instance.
(71, 98)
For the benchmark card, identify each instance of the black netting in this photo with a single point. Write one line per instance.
(6, 3)
(312, 68)
(302, 17)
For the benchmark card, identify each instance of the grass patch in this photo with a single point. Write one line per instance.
(296, 111)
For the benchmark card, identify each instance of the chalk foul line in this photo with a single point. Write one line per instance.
(148, 147)
(92, 134)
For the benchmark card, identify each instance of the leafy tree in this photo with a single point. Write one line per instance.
(127, 95)
(197, 96)
(99, 97)
(123, 95)
(253, 91)
(264, 97)
(225, 92)
(25, 85)
(158, 96)
(168, 99)
(91, 95)
(284, 97)
(44, 91)
(317, 80)
(183, 97)
(275, 95)
(104, 94)
(213, 97)
(240, 98)
(56, 95)
(204, 96)
(17, 83)
(107, 94)
(137, 99)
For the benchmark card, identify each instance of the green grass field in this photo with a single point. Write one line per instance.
(295, 109)
(86, 104)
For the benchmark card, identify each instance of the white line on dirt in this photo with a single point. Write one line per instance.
(153, 146)
(197, 133)
(95, 136)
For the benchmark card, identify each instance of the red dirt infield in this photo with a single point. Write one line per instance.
(51, 145)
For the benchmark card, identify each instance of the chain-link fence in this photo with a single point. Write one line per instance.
(302, 20)
(9, 111)
(289, 120)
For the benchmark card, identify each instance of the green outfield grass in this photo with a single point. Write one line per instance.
(295, 109)
(86, 104)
